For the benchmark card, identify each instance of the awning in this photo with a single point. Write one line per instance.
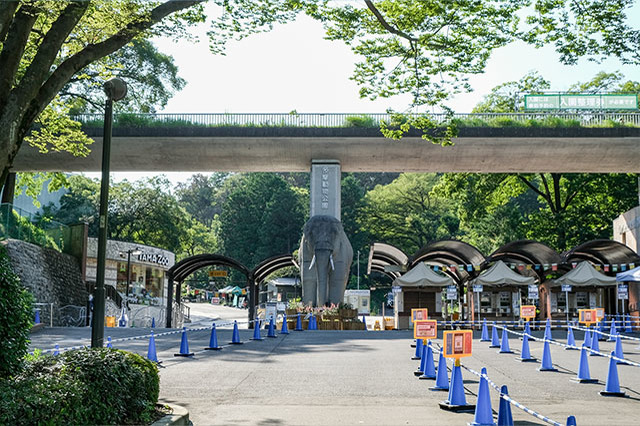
(500, 274)
(421, 276)
(227, 289)
(584, 275)
(631, 275)
(236, 290)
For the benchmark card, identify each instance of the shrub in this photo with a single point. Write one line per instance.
(87, 386)
(360, 121)
(16, 318)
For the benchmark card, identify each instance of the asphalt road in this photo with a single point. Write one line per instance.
(366, 378)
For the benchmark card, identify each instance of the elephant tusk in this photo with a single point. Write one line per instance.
(313, 261)
(333, 268)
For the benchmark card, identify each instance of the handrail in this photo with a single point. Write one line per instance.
(350, 119)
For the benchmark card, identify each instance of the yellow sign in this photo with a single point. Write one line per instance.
(528, 312)
(425, 329)
(419, 314)
(587, 316)
(457, 343)
(217, 273)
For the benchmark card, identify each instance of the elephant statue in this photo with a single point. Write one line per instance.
(325, 258)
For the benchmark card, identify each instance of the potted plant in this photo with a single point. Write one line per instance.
(346, 311)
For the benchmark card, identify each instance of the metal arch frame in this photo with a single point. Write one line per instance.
(261, 272)
(181, 270)
(525, 251)
(601, 251)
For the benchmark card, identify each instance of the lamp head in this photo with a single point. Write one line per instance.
(115, 88)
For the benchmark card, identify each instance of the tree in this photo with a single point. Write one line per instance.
(200, 196)
(44, 45)
(407, 214)
(262, 217)
(505, 97)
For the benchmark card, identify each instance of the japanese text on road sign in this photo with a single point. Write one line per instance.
(425, 329)
(419, 314)
(527, 312)
(457, 343)
(587, 316)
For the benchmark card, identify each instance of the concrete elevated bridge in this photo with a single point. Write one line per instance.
(486, 143)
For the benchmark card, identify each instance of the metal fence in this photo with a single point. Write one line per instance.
(22, 225)
(61, 316)
(346, 119)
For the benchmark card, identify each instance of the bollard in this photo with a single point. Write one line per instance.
(484, 414)
(456, 401)
(504, 411)
(612, 387)
(184, 345)
(213, 340)
(583, 369)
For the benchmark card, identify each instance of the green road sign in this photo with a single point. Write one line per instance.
(583, 102)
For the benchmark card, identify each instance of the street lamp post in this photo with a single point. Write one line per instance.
(115, 89)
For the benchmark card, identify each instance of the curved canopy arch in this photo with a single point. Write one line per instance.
(601, 252)
(528, 252)
(450, 252)
(383, 258)
(270, 265)
(181, 270)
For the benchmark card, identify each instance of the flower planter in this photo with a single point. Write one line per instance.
(348, 313)
(291, 312)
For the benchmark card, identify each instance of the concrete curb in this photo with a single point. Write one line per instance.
(179, 417)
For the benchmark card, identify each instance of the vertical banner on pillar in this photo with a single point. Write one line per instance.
(325, 188)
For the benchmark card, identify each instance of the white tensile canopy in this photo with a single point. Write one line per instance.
(421, 276)
(500, 274)
(584, 275)
(630, 275)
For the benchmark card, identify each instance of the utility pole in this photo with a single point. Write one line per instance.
(358, 269)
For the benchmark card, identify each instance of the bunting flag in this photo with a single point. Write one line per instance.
(598, 268)
(436, 268)
(623, 267)
(632, 265)
(477, 267)
(513, 266)
(554, 266)
(537, 267)
(606, 268)
(529, 267)
(574, 264)
(469, 268)
(520, 267)
(546, 266)
(614, 268)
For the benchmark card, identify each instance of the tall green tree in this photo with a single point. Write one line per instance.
(408, 214)
(262, 217)
(507, 97)
(202, 197)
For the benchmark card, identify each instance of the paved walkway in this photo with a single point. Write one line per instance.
(357, 377)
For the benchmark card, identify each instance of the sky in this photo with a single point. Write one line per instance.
(294, 68)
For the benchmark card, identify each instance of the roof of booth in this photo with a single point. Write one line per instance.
(527, 252)
(584, 275)
(422, 276)
(500, 274)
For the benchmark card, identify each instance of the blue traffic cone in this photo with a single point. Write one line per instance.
(495, 342)
(483, 414)
(595, 345)
(310, 325)
(153, 322)
(256, 330)
(571, 341)
(109, 345)
(184, 345)
(423, 360)
(583, 370)
(547, 364)
(504, 410)
(612, 388)
(213, 340)
(235, 336)
(601, 330)
(504, 346)
(442, 379)
(456, 400)
(612, 331)
(484, 337)
(429, 369)
(272, 329)
(627, 324)
(525, 354)
(527, 328)
(618, 353)
(56, 350)
(151, 351)
(587, 338)
(37, 319)
(364, 321)
(419, 344)
(285, 327)
(547, 330)
(571, 421)
(299, 324)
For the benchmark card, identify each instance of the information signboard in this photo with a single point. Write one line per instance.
(587, 316)
(566, 287)
(527, 312)
(580, 102)
(623, 291)
(419, 314)
(452, 292)
(457, 343)
(477, 288)
(425, 329)
(599, 314)
(533, 291)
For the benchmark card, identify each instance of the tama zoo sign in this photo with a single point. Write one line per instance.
(154, 258)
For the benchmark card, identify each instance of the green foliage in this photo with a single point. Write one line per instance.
(360, 121)
(201, 196)
(85, 386)
(506, 97)
(16, 319)
(12, 225)
(261, 217)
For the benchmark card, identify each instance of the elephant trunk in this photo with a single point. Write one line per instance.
(323, 263)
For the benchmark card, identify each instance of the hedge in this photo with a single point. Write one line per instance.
(81, 387)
